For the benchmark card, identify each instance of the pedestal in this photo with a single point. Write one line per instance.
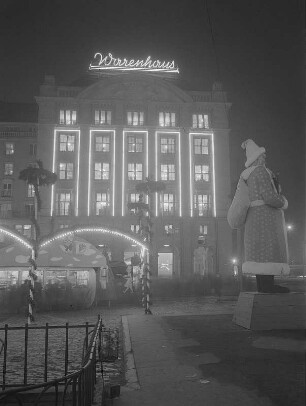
(271, 311)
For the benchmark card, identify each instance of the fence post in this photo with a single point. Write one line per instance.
(25, 369)
(66, 348)
(46, 351)
(5, 356)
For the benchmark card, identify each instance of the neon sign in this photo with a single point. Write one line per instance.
(108, 62)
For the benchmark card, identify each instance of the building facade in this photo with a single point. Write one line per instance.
(104, 137)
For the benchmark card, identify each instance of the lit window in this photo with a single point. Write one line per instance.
(201, 146)
(67, 142)
(33, 149)
(167, 145)
(103, 117)
(8, 168)
(168, 228)
(167, 203)
(5, 210)
(102, 143)
(201, 172)
(31, 191)
(24, 229)
(135, 117)
(134, 197)
(68, 117)
(166, 119)
(7, 190)
(135, 228)
(66, 170)
(134, 144)
(101, 171)
(102, 203)
(134, 171)
(203, 229)
(9, 148)
(29, 210)
(167, 172)
(61, 226)
(63, 203)
(201, 204)
(200, 121)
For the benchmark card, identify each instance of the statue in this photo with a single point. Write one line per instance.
(265, 237)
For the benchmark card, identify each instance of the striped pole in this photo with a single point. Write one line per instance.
(32, 276)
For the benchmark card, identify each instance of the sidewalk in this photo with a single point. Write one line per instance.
(204, 359)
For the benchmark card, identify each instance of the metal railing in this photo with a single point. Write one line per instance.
(75, 388)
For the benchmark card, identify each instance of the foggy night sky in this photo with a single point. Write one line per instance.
(258, 44)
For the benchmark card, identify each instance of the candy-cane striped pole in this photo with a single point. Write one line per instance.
(32, 276)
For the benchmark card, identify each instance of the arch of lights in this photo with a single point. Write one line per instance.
(17, 237)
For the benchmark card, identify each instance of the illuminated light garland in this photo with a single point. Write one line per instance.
(95, 230)
(90, 170)
(125, 131)
(16, 237)
(202, 134)
(179, 165)
(108, 62)
(74, 130)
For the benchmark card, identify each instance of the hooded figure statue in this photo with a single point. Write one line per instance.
(265, 237)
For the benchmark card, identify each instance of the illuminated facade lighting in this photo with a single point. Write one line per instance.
(16, 237)
(90, 168)
(73, 130)
(156, 172)
(191, 162)
(93, 229)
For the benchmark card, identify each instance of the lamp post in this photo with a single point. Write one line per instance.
(290, 228)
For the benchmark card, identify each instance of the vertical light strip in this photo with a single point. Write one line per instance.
(214, 175)
(53, 170)
(114, 170)
(191, 177)
(213, 170)
(180, 174)
(89, 173)
(147, 161)
(78, 175)
(156, 173)
(123, 172)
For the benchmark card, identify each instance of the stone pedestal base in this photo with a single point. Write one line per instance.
(271, 311)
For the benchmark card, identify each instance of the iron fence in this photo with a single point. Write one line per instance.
(75, 388)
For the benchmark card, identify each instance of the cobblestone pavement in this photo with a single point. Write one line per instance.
(111, 317)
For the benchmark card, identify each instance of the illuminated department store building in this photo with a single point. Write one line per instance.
(105, 134)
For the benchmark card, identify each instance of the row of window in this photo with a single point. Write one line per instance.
(134, 118)
(7, 190)
(63, 205)
(10, 149)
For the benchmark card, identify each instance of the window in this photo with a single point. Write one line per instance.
(9, 148)
(61, 226)
(134, 197)
(5, 210)
(134, 144)
(7, 190)
(167, 146)
(201, 172)
(33, 149)
(102, 143)
(68, 117)
(103, 117)
(31, 191)
(24, 229)
(101, 171)
(135, 117)
(201, 204)
(134, 171)
(168, 228)
(29, 210)
(8, 169)
(203, 229)
(135, 228)
(167, 204)
(66, 170)
(102, 203)
(167, 172)
(200, 146)
(200, 121)
(166, 119)
(67, 143)
(63, 203)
